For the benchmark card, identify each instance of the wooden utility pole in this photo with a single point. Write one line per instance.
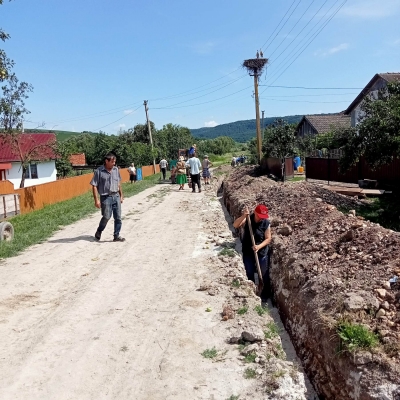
(255, 68)
(262, 125)
(149, 128)
(258, 128)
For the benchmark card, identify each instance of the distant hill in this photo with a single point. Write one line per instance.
(240, 131)
(60, 135)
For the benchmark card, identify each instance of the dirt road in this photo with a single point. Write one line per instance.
(90, 320)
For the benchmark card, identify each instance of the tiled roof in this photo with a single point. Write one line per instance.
(387, 76)
(77, 159)
(324, 123)
(27, 142)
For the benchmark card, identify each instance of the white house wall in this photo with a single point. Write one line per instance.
(46, 173)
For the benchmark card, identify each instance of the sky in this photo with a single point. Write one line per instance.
(92, 63)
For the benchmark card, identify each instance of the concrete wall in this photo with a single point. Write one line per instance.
(46, 173)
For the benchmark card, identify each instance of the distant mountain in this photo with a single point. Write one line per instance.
(240, 131)
(60, 135)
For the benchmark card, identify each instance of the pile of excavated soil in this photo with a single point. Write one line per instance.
(327, 268)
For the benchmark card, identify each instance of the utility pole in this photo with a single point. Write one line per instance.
(149, 128)
(262, 132)
(255, 67)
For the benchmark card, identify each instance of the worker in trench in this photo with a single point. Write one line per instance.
(262, 238)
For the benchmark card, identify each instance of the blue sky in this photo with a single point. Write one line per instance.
(93, 62)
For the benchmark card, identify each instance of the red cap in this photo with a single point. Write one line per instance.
(261, 211)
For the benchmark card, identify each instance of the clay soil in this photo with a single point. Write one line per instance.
(327, 268)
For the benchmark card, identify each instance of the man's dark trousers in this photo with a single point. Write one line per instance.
(195, 180)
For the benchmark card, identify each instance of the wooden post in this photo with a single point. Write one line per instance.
(151, 138)
(258, 129)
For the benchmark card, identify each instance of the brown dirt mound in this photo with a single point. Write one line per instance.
(329, 267)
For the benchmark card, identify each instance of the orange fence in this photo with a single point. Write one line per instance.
(36, 197)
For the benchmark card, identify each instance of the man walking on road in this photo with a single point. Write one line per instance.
(163, 166)
(195, 166)
(106, 183)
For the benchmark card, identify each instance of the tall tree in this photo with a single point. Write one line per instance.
(377, 136)
(279, 140)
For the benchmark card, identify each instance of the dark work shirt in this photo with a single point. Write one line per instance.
(259, 236)
(106, 182)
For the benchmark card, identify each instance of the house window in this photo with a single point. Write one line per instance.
(27, 173)
(34, 174)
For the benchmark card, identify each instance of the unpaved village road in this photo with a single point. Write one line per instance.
(87, 320)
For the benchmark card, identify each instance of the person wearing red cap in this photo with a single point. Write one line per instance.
(262, 237)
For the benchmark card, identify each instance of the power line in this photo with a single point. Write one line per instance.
(297, 55)
(206, 102)
(298, 34)
(270, 55)
(304, 101)
(312, 88)
(294, 1)
(117, 119)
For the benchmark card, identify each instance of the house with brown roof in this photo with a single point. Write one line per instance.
(379, 81)
(40, 170)
(321, 123)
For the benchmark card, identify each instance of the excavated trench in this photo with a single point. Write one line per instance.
(328, 269)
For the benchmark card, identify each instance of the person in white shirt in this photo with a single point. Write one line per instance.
(132, 173)
(163, 167)
(195, 165)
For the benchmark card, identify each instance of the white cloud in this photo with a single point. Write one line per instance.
(126, 112)
(121, 126)
(332, 50)
(371, 9)
(210, 124)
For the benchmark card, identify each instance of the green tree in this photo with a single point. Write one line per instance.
(279, 140)
(170, 139)
(377, 136)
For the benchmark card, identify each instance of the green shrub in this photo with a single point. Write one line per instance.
(355, 337)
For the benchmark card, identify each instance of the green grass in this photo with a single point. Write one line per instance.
(384, 210)
(271, 331)
(260, 310)
(236, 283)
(242, 310)
(297, 179)
(210, 353)
(355, 337)
(227, 252)
(37, 226)
(250, 358)
(249, 373)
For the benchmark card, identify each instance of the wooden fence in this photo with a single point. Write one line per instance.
(273, 165)
(327, 169)
(36, 197)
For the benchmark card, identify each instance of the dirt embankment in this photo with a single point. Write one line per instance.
(329, 268)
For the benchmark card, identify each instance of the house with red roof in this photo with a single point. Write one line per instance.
(36, 148)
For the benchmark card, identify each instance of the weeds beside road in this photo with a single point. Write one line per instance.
(37, 226)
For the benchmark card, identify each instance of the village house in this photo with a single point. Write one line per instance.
(379, 81)
(321, 123)
(39, 171)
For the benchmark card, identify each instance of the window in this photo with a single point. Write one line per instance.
(34, 173)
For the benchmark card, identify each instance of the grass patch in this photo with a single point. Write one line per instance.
(242, 310)
(297, 179)
(260, 310)
(227, 252)
(250, 358)
(236, 283)
(37, 226)
(210, 353)
(272, 330)
(355, 337)
(233, 397)
(384, 210)
(250, 373)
